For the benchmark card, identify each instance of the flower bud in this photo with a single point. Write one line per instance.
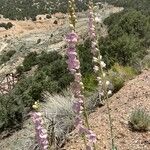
(109, 92)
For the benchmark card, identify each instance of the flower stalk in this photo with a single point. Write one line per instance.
(98, 68)
(41, 132)
(82, 125)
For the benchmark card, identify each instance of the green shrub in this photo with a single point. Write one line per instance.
(119, 74)
(139, 120)
(6, 56)
(10, 53)
(11, 112)
(128, 38)
(122, 50)
(29, 61)
(117, 82)
(47, 58)
(19, 70)
(131, 22)
(146, 62)
(52, 86)
(48, 16)
(4, 59)
(90, 83)
(58, 69)
(6, 25)
(85, 56)
(35, 91)
(65, 80)
(9, 25)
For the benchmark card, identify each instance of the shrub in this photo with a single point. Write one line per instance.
(116, 80)
(139, 120)
(6, 25)
(46, 58)
(10, 53)
(128, 38)
(85, 57)
(6, 57)
(35, 91)
(38, 41)
(119, 74)
(3, 25)
(11, 112)
(55, 22)
(90, 83)
(65, 80)
(29, 61)
(9, 25)
(122, 50)
(33, 18)
(52, 86)
(19, 70)
(48, 16)
(146, 62)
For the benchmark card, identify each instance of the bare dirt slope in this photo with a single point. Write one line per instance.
(135, 94)
(21, 28)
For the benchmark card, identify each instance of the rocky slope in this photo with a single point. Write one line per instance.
(24, 36)
(50, 39)
(135, 94)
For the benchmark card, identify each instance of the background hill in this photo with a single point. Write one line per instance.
(19, 9)
(140, 5)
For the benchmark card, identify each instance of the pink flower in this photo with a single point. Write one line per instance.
(77, 106)
(91, 136)
(72, 37)
(41, 133)
(73, 64)
(78, 120)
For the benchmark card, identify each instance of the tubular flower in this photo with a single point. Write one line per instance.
(97, 58)
(74, 67)
(41, 133)
(99, 65)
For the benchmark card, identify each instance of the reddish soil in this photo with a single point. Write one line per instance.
(135, 94)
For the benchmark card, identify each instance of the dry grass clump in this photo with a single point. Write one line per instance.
(140, 120)
(59, 116)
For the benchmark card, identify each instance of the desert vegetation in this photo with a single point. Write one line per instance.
(30, 9)
(139, 120)
(6, 56)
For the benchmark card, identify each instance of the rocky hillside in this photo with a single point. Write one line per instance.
(135, 94)
(28, 36)
(21, 9)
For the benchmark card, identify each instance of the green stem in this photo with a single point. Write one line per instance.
(87, 122)
(107, 103)
(110, 124)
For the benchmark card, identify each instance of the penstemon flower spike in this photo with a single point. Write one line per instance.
(77, 87)
(99, 65)
(41, 132)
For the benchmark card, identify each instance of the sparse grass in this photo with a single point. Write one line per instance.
(139, 120)
(119, 74)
